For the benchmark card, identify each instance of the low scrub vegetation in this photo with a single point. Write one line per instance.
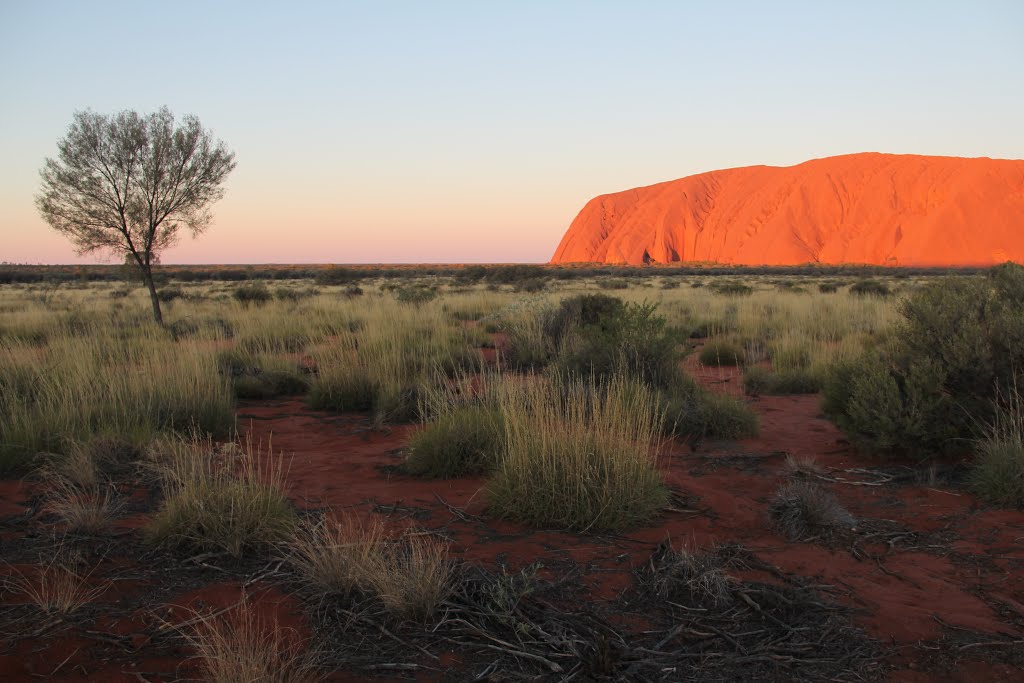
(935, 382)
(758, 381)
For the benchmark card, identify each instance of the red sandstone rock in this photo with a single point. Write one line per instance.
(867, 208)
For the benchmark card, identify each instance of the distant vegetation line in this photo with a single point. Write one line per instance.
(331, 274)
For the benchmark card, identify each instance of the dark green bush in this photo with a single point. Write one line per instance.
(828, 288)
(611, 337)
(415, 294)
(870, 288)
(959, 346)
(254, 294)
(352, 291)
(532, 285)
(732, 288)
(460, 443)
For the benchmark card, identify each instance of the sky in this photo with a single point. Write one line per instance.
(473, 132)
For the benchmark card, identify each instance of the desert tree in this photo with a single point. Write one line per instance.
(125, 184)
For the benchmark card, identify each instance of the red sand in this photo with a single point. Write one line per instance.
(339, 462)
(866, 208)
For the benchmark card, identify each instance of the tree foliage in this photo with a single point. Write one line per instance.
(125, 184)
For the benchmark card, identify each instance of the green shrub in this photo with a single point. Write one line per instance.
(960, 344)
(758, 381)
(732, 289)
(632, 340)
(696, 413)
(828, 288)
(255, 294)
(462, 442)
(352, 291)
(870, 288)
(415, 294)
(718, 352)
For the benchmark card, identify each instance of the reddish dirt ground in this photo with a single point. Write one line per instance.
(934, 576)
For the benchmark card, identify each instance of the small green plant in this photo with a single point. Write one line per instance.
(464, 441)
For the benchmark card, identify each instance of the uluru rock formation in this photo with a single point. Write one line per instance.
(887, 209)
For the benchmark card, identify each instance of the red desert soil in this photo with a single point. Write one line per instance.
(929, 564)
(868, 208)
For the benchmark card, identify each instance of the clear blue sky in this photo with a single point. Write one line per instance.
(474, 131)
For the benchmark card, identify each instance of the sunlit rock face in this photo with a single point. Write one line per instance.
(888, 209)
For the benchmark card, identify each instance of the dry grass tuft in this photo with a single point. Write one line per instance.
(243, 647)
(412, 577)
(803, 511)
(224, 498)
(56, 587)
(85, 510)
(694, 576)
(802, 466)
(337, 557)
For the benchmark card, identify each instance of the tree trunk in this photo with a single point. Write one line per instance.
(147, 276)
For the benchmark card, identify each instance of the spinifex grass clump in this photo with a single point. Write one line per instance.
(261, 374)
(128, 383)
(224, 499)
(721, 352)
(244, 646)
(57, 586)
(410, 576)
(578, 455)
(384, 365)
(802, 511)
(462, 442)
(337, 557)
(997, 474)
